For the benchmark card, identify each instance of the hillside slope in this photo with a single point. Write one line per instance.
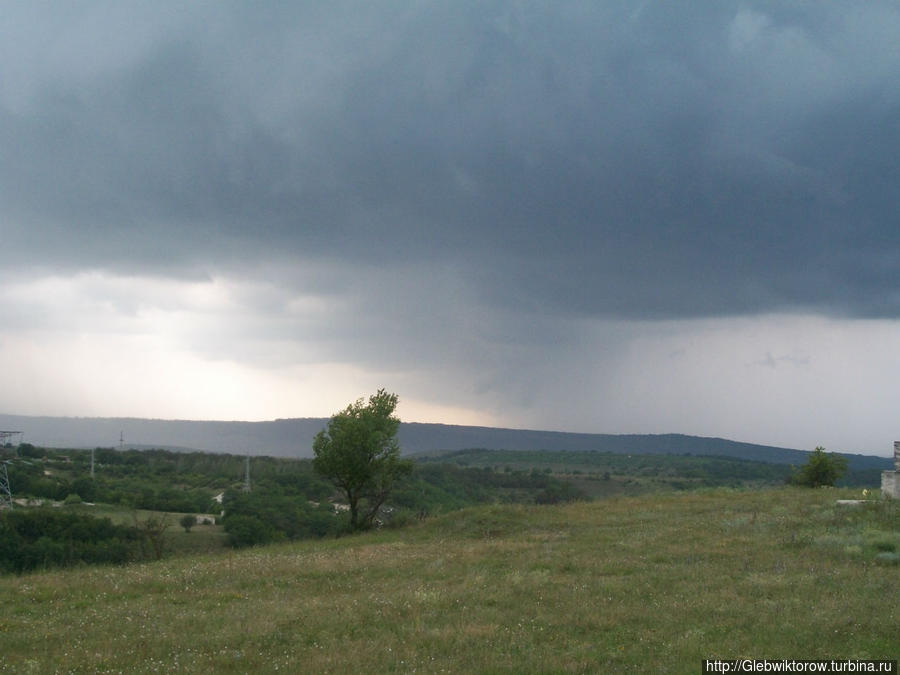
(293, 438)
(650, 584)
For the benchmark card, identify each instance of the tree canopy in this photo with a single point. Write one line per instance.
(820, 469)
(359, 453)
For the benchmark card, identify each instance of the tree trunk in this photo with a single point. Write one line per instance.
(354, 511)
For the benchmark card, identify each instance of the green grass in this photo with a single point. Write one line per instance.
(201, 538)
(652, 584)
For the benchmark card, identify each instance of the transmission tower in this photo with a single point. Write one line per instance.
(7, 436)
(6, 501)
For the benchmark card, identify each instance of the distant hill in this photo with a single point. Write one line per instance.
(424, 437)
(293, 438)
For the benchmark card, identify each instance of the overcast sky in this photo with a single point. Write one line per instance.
(601, 216)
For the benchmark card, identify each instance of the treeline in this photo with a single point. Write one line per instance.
(164, 480)
(43, 538)
(264, 516)
(685, 470)
(288, 500)
(437, 487)
(156, 480)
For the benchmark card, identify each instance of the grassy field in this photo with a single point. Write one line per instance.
(201, 538)
(649, 584)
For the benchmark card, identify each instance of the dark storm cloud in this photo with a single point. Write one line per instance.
(591, 159)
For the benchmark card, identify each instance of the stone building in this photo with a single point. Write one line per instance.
(890, 480)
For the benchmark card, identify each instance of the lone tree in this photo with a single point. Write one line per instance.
(820, 469)
(359, 453)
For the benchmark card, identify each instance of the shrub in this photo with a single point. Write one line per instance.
(43, 538)
(248, 531)
(274, 517)
(820, 469)
(559, 493)
(400, 518)
(28, 450)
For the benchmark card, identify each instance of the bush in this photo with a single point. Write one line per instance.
(558, 493)
(188, 521)
(401, 518)
(248, 531)
(282, 517)
(43, 538)
(820, 469)
(28, 450)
